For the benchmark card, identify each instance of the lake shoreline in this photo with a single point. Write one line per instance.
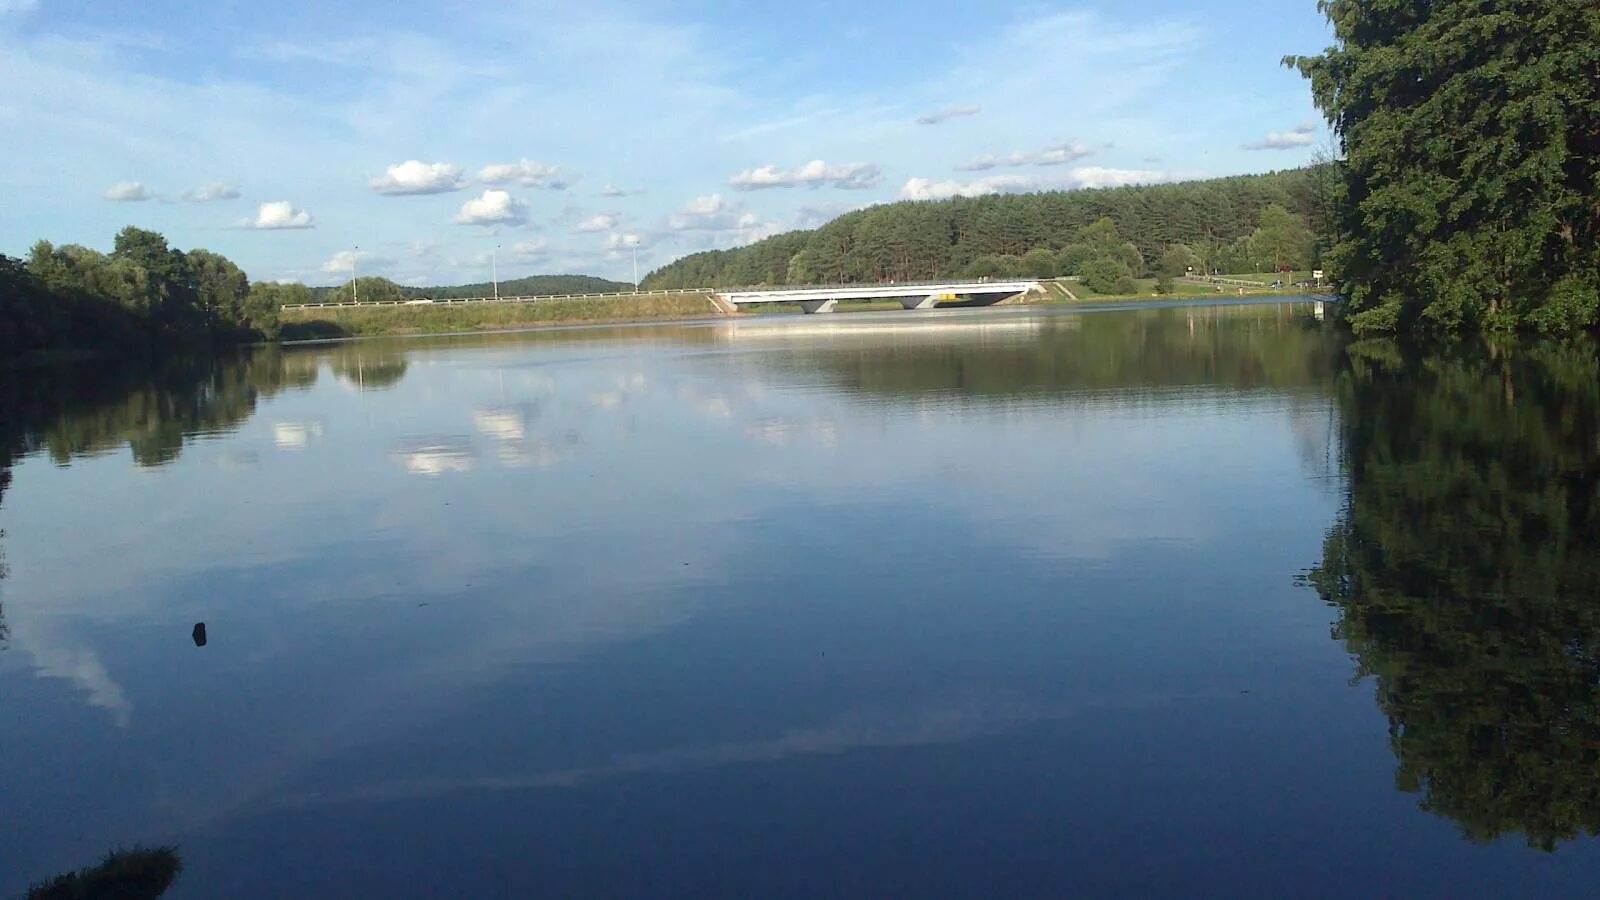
(389, 322)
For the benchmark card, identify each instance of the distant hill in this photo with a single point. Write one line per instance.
(540, 285)
(1209, 222)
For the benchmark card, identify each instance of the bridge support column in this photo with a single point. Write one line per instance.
(818, 306)
(927, 302)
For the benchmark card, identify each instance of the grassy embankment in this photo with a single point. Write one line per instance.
(1186, 290)
(311, 323)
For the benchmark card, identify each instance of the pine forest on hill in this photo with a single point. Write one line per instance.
(1251, 223)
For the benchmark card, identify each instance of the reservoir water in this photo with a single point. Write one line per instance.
(1184, 601)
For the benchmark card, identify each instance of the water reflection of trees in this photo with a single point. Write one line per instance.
(370, 367)
(1233, 348)
(72, 414)
(1465, 570)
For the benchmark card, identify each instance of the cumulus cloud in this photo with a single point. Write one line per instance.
(280, 215)
(929, 189)
(127, 192)
(600, 222)
(493, 208)
(210, 193)
(416, 177)
(1085, 177)
(627, 241)
(711, 213)
(945, 115)
(1057, 155)
(525, 173)
(1302, 135)
(847, 176)
(612, 190)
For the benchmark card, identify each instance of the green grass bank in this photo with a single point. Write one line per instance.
(320, 323)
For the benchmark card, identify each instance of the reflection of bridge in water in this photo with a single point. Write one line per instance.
(824, 299)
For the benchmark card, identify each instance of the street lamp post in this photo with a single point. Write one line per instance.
(635, 243)
(355, 280)
(494, 269)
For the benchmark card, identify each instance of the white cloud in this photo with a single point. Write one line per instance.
(727, 223)
(1302, 135)
(710, 213)
(847, 176)
(1086, 177)
(929, 189)
(945, 115)
(612, 190)
(416, 177)
(530, 248)
(280, 215)
(1057, 155)
(367, 263)
(127, 192)
(618, 242)
(600, 222)
(526, 173)
(493, 208)
(210, 193)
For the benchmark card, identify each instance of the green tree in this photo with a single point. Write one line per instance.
(1177, 260)
(1471, 136)
(221, 289)
(1282, 242)
(1108, 275)
(368, 290)
(1039, 263)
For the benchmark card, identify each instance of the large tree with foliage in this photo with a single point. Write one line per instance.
(1471, 131)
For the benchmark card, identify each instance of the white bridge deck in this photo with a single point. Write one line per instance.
(823, 299)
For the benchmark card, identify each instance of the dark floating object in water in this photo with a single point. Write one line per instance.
(200, 634)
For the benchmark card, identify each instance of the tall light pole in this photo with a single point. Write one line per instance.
(633, 242)
(355, 280)
(494, 269)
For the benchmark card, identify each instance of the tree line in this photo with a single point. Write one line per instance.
(1253, 223)
(143, 292)
(375, 288)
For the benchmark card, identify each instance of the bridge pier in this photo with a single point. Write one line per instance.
(928, 302)
(818, 306)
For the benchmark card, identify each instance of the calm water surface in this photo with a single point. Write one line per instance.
(990, 603)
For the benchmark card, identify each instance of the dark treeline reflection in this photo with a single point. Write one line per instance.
(77, 413)
(370, 367)
(1238, 348)
(1466, 573)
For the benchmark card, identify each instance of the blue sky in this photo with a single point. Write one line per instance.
(286, 135)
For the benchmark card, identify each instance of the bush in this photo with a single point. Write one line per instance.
(1106, 274)
(1040, 263)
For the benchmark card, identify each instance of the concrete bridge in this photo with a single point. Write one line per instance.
(911, 296)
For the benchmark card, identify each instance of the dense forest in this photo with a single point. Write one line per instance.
(1251, 223)
(1463, 570)
(1470, 190)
